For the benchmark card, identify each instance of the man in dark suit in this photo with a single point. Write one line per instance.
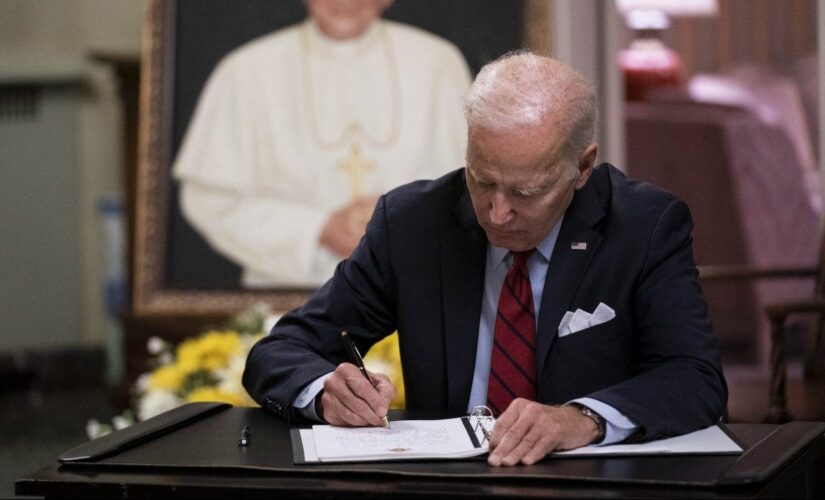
(562, 295)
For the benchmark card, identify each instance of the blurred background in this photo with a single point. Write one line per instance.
(717, 101)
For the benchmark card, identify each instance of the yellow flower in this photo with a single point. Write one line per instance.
(229, 378)
(212, 394)
(169, 377)
(209, 352)
(384, 357)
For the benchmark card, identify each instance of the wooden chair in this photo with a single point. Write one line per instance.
(778, 314)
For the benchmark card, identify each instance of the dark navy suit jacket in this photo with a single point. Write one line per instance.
(420, 270)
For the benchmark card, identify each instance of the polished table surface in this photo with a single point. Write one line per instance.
(202, 460)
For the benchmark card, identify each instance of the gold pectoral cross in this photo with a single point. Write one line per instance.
(356, 166)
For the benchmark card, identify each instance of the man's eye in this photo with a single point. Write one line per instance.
(525, 194)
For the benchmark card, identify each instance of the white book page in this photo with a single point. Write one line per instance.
(308, 444)
(710, 440)
(405, 439)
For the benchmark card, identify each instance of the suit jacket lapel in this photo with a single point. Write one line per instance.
(568, 265)
(463, 255)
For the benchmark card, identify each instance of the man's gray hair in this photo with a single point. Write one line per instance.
(522, 89)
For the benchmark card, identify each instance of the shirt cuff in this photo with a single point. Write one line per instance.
(617, 426)
(305, 402)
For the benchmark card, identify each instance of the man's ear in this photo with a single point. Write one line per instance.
(586, 162)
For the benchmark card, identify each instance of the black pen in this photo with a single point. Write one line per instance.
(358, 361)
(244, 441)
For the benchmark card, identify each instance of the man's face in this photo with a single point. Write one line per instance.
(344, 19)
(522, 182)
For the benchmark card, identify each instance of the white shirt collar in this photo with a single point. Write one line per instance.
(343, 48)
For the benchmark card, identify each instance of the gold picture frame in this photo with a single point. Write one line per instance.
(160, 126)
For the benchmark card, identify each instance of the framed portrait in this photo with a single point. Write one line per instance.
(176, 271)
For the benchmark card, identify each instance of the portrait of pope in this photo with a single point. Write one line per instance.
(297, 132)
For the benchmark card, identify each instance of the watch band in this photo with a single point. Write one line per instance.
(319, 408)
(601, 425)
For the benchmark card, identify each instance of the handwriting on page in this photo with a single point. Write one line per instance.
(399, 438)
(407, 438)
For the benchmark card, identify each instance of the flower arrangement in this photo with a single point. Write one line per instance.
(204, 368)
(208, 367)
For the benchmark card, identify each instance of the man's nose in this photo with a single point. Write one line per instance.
(500, 210)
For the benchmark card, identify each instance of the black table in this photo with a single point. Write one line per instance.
(200, 458)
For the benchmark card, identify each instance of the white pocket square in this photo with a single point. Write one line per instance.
(579, 320)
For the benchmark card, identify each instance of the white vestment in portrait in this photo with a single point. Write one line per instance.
(293, 125)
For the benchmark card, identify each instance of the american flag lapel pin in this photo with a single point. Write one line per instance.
(579, 245)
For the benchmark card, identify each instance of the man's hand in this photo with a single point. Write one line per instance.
(350, 400)
(344, 228)
(527, 431)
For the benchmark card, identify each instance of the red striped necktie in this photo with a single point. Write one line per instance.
(513, 364)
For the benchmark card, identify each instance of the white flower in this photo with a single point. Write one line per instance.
(166, 358)
(142, 383)
(121, 422)
(229, 378)
(156, 402)
(156, 345)
(93, 429)
(269, 322)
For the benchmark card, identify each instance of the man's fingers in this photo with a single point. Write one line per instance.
(508, 441)
(370, 403)
(339, 401)
(530, 431)
(530, 443)
(336, 412)
(507, 420)
(352, 398)
(386, 390)
(545, 445)
(507, 432)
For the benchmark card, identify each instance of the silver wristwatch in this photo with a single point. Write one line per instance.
(601, 426)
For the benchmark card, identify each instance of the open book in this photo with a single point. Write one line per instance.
(405, 440)
(467, 437)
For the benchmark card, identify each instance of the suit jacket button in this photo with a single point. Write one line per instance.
(274, 406)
